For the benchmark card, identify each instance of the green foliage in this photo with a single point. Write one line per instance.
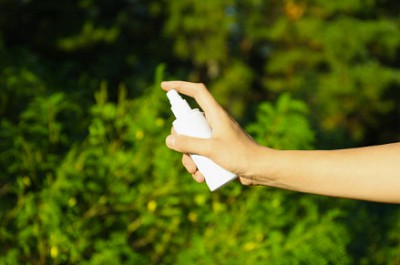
(277, 239)
(116, 197)
(88, 37)
(327, 54)
(229, 88)
(284, 125)
(332, 56)
(191, 30)
(85, 177)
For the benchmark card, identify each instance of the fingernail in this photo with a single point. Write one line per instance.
(170, 141)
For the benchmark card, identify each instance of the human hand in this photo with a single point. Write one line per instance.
(230, 146)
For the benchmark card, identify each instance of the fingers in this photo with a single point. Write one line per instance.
(192, 168)
(198, 177)
(195, 90)
(187, 144)
(189, 164)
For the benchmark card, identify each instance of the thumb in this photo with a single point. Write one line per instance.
(187, 144)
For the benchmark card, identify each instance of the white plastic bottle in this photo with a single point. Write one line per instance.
(191, 122)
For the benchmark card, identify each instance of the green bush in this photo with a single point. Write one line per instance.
(120, 196)
(85, 177)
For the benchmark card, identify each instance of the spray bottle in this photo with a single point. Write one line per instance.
(191, 122)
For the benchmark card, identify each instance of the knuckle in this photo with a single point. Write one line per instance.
(201, 88)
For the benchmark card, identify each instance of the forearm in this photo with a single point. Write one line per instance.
(370, 173)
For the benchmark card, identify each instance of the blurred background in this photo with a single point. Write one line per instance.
(85, 177)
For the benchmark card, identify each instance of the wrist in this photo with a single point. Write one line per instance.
(263, 167)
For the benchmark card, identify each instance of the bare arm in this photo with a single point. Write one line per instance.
(370, 173)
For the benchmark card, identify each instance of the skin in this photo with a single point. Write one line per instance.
(368, 173)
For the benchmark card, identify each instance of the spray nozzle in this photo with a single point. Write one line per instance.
(179, 106)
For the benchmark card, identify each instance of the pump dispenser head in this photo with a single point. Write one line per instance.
(179, 106)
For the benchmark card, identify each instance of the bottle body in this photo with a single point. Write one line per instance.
(194, 124)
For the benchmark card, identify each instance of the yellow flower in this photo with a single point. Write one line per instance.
(54, 252)
(249, 246)
(152, 205)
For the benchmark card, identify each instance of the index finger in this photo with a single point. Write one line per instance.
(198, 91)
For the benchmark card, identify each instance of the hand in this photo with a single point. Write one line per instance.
(229, 146)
